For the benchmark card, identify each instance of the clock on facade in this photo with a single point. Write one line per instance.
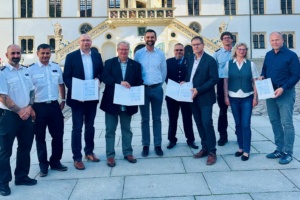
(84, 28)
(195, 26)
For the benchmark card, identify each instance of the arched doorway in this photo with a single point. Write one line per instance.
(188, 50)
(138, 47)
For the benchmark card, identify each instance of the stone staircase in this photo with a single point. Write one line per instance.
(184, 29)
(95, 32)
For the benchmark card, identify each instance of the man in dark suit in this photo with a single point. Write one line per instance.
(203, 73)
(127, 72)
(176, 71)
(83, 64)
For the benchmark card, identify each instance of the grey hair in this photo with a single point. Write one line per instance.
(233, 52)
(123, 42)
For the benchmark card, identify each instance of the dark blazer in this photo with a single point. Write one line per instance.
(176, 71)
(112, 74)
(74, 68)
(205, 79)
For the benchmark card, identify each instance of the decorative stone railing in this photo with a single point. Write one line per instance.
(96, 31)
(130, 13)
(190, 33)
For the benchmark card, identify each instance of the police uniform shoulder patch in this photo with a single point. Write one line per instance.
(55, 62)
(30, 65)
(2, 68)
(217, 50)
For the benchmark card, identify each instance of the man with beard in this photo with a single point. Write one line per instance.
(47, 79)
(16, 120)
(154, 71)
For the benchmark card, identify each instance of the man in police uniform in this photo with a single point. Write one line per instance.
(47, 79)
(16, 120)
(223, 55)
(176, 71)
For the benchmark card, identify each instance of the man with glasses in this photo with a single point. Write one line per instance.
(203, 73)
(48, 82)
(83, 64)
(16, 120)
(176, 71)
(223, 55)
(126, 72)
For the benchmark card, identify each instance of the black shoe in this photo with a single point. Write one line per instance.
(245, 158)
(222, 142)
(59, 167)
(171, 145)
(193, 145)
(43, 173)
(158, 151)
(26, 181)
(4, 189)
(238, 153)
(145, 151)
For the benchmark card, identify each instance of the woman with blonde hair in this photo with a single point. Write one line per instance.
(240, 93)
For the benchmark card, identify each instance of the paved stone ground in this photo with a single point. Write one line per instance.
(176, 175)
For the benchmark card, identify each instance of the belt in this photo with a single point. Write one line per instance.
(47, 102)
(275, 87)
(152, 86)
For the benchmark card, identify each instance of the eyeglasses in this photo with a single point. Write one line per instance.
(178, 49)
(123, 49)
(239, 49)
(197, 44)
(226, 38)
(85, 40)
(15, 53)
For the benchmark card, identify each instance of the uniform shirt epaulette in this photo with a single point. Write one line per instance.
(31, 65)
(55, 62)
(2, 68)
(218, 50)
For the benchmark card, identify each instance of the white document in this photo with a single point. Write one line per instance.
(132, 96)
(179, 92)
(264, 89)
(85, 90)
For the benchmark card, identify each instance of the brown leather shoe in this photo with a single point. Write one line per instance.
(130, 158)
(111, 162)
(202, 153)
(211, 159)
(79, 165)
(92, 158)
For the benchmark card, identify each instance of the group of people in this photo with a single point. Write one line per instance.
(29, 101)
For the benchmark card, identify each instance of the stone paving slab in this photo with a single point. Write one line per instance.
(98, 188)
(225, 197)
(165, 186)
(276, 195)
(293, 175)
(248, 181)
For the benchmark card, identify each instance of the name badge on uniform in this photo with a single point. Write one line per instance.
(26, 74)
(54, 70)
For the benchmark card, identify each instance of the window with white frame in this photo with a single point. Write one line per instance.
(288, 38)
(85, 8)
(258, 7)
(194, 7)
(26, 8)
(286, 6)
(54, 8)
(51, 42)
(26, 43)
(114, 4)
(230, 7)
(259, 40)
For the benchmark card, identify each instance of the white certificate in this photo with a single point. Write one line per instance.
(179, 92)
(85, 90)
(132, 96)
(264, 88)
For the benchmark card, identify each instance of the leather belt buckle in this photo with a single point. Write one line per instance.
(48, 102)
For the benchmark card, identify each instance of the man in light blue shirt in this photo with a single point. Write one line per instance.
(223, 55)
(154, 71)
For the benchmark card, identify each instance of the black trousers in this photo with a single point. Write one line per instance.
(84, 113)
(173, 112)
(222, 120)
(11, 127)
(49, 115)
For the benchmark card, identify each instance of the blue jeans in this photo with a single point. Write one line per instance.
(280, 111)
(153, 96)
(242, 110)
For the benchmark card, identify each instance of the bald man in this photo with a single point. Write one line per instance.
(83, 64)
(282, 66)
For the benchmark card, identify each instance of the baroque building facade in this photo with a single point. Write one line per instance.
(59, 23)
